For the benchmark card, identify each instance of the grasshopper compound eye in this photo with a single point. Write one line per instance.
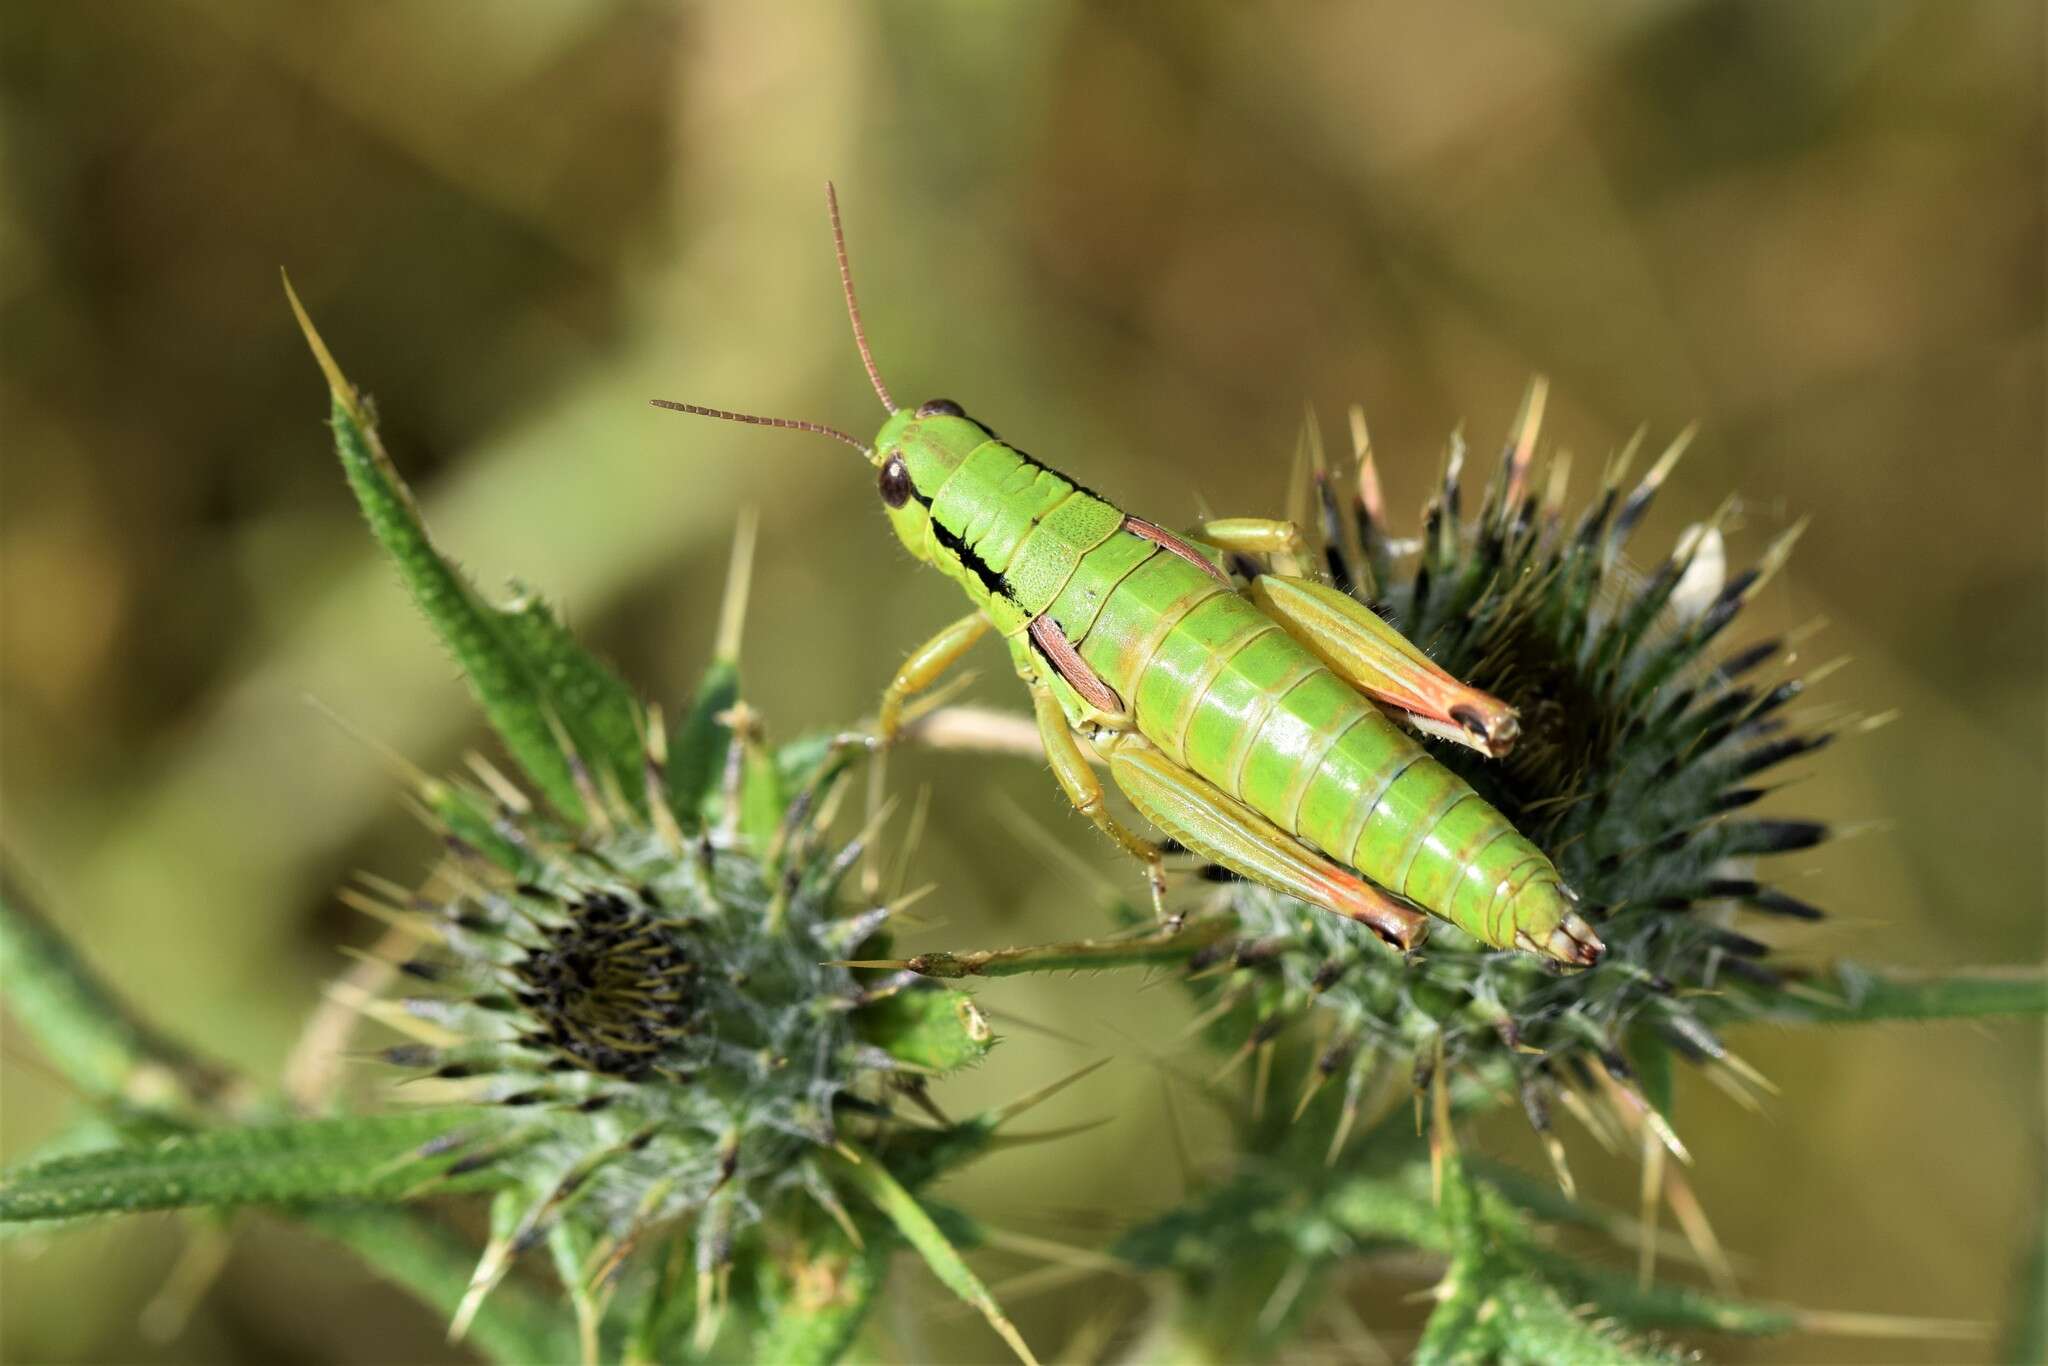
(940, 407)
(894, 482)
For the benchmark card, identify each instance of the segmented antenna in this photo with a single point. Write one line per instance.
(794, 424)
(860, 336)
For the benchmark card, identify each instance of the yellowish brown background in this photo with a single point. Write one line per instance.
(1136, 239)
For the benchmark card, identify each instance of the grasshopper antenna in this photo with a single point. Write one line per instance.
(860, 336)
(793, 424)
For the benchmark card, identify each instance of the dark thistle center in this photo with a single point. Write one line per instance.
(611, 987)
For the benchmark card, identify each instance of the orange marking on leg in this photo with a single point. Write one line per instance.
(1053, 643)
(1357, 899)
(1160, 536)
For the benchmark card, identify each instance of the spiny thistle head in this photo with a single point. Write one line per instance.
(1637, 752)
(639, 976)
(658, 1016)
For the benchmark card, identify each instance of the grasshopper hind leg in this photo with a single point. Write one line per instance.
(1385, 665)
(1203, 818)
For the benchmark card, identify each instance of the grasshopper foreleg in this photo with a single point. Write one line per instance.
(1084, 790)
(1203, 818)
(1379, 661)
(924, 668)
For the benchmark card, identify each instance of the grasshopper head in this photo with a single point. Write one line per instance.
(915, 453)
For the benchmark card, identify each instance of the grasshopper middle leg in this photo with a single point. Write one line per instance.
(1084, 790)
(1379, 661)
(922, 669)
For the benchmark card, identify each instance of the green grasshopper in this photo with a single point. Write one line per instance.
(1250, 717)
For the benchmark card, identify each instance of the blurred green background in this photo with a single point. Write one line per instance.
(1134, 246)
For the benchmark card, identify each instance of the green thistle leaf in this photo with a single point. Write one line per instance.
(593, 704)
(88, 1034)
(872, 1179)
(528, 672)
(365, 1158)
(699, 747)
(1534, 1324)
(1498, 1300)
(1667, 1305)
(698, 750)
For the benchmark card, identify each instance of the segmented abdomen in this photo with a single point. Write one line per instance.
(1224, 691)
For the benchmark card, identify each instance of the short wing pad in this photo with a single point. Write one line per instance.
(1052, 642)
(1165, 539)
